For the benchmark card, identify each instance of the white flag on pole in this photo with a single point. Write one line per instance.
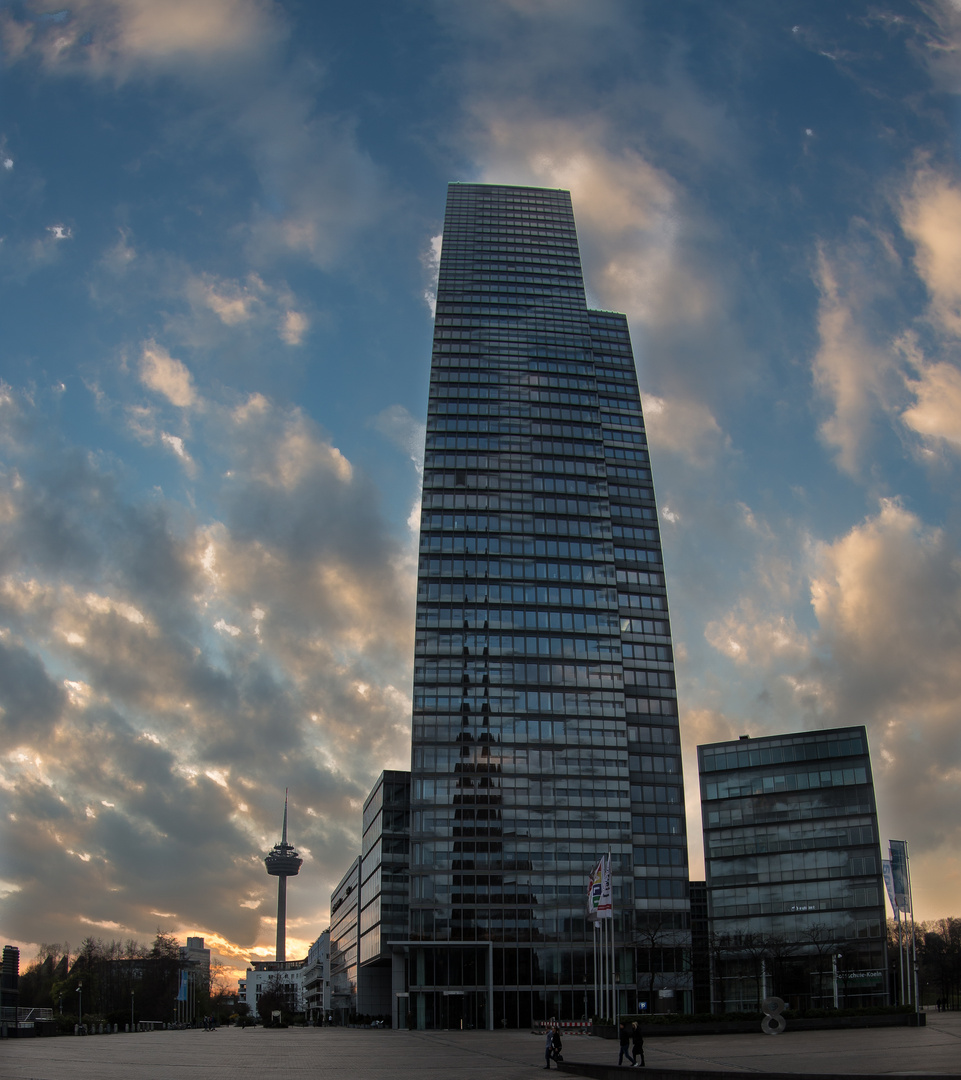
(595, 887)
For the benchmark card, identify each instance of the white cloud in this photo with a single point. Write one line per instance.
(176, 445)
(166, 375)
(887, 596)
(293, 327)
(853, 371)
(931, 218)
(130, 38)
(430, 260)
(936, 414)
(746, 637)
(684, 427)
(625, 207)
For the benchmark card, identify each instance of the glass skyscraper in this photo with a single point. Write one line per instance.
(545, 729)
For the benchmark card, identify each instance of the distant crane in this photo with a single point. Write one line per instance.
(283, 862)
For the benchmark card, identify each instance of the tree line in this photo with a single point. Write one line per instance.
(111, 978)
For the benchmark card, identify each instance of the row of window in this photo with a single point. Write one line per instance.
(660, 856)
(517, 502)
(530, 594)
(497, 569)
(593, 622)
(567, 648)
(504, 464)
(446, 398)
(737, 905)
(758, 810)
(442, 759)
(657, 763)
(469, 544)
(534, 482)
(656, 793)
(659, 736)
(504, 700)
(647, 513)
(644, 626)
(786, 750)
(587, 732)
(559, 356)
(736, 785)
(620, 453)
(798, 836)
(512, 444)
(440, 671)
(445, 382)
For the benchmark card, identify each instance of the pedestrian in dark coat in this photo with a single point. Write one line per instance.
(624, 1036)
(637, 1041)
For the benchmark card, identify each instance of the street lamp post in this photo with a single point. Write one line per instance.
(80, 1006)
(131, 1010)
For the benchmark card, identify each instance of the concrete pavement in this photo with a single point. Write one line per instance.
(231, 1054)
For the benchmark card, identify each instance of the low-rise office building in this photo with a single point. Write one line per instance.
(793, 861)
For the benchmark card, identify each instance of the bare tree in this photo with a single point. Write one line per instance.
(822, 938)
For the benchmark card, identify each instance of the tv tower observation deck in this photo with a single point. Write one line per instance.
(283, 862)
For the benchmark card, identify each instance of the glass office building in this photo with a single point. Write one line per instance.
(793, 860)
(545, 728)
(384, 888)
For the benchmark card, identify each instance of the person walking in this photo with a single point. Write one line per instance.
(548, 1046)
(556, 1044)
(637, 1043)
(624, 1037)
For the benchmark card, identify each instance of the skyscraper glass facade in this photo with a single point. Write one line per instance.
(545, 727)
(793, 860)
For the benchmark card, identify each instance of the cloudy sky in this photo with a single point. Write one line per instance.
(218, 233)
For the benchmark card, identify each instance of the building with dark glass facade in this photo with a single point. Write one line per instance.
(545, 729)
(793, 861)
(345, 945)
(384, 888)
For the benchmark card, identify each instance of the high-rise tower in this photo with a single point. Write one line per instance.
(283, 862)
(545, 729)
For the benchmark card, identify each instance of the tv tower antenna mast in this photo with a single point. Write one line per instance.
(283, 862)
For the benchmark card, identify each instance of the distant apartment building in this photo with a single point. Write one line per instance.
(287, 976)
(385, 885)
(345, 944)
(369, 907)
(316, 980)
(793, 861)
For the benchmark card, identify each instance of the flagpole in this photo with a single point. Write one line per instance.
(597, 996)
(614, 1001)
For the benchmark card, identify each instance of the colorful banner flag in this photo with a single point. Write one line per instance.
(595, 886)
(605, 906)
(182, 995)
(898, 850)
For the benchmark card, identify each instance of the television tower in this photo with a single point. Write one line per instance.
(283, 862)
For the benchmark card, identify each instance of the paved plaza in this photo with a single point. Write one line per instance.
(474, 1055)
